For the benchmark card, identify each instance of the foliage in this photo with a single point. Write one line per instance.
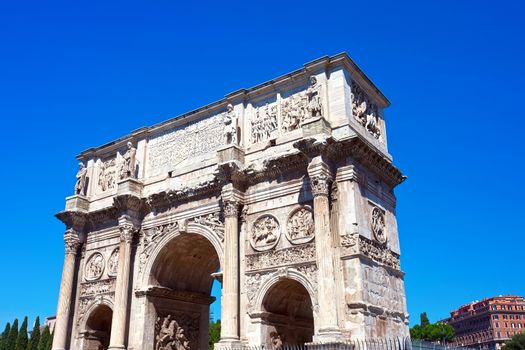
(44, 339)
(13, 335)
(21, 340)
(214, 332)
(517, 342)
(35, 336)
(4, 336)
(433, 332)
(424, 320)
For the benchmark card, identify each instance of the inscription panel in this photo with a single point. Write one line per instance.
(176, 145)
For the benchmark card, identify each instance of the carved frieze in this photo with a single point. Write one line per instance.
(265, 233)
(96, 287)
(377, 224)
(94, 267)
(264, 122)
(364, 111)
(294, 111)
(300, 227)
(175, 145)
(288, 256)
(354, 244)
(107, 174)
(176, 332)
(149, 240)
(214, 222)
(113, 262)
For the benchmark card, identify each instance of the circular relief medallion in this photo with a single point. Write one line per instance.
(265, 233)
(300, 228)
(378, 225)
(94, 267)
(113, 263)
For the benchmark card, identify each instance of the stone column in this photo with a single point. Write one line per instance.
(120, 312)
(65, 296)
(230, 282)
(326, 295)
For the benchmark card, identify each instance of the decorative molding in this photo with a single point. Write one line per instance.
(94, 267)
(212, 221)
(264, 122)
(289, 256)
(320, 185)
(231, 208)
(97, 287)
(300, 226)
(377, 224)
(113, 262)
(355, 244)
(127, 232)
(71, 242)
(265, 232)
(150, 238)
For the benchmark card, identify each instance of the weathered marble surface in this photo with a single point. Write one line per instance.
(283, 192)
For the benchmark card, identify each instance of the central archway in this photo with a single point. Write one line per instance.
(180, 290)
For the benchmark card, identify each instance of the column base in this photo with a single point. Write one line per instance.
(118, 347)
(331, 335)
(228, 344)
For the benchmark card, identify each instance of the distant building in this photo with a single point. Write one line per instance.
(50, 322)
(489, 323)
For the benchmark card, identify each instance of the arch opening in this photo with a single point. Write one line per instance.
(98, 328)
(288, 314)
(181, 282)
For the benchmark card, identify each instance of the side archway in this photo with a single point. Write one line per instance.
(96, 326)
(286, 309)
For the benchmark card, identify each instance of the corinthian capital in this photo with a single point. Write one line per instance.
(231, 209)
(127, 231)
(71, 242)
(320, 184)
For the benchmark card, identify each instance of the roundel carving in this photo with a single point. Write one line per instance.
(94, 267)
(300, 227)
(265, 233)
(113, 263)
(378, 225)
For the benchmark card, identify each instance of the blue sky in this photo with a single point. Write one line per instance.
(78, 74)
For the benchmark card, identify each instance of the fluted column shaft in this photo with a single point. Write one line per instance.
(120, 312)
(65, 295)
(230, 284)
(326, 295)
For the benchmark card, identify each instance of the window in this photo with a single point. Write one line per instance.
(495, 317)
(504, 317)
(513, 326)
(493, 307)
(511, 317)
(519, 325)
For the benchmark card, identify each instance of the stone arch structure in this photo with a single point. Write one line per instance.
(177, 282)
(299, 195)
(270, 330)
(96, 326)
(191, 228)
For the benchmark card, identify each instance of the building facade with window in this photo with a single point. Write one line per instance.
(489, 323)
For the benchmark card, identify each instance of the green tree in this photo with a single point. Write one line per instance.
(21, 340)
(49, 344)
(416, 332)
(44, 338)
(35, 336)
(13, 335)
(5, 335)
(517, 342)
(214, 332)
(424, 320)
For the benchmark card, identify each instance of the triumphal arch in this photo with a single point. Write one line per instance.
(282, 192)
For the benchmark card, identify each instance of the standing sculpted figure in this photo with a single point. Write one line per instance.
(230, 125)
(313, 94)
(80, 185)
(127, 168)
